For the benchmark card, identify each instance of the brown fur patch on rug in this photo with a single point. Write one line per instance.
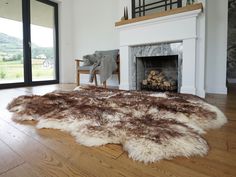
(150, 126)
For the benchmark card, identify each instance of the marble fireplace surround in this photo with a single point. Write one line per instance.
(153, 50)
(184, 28)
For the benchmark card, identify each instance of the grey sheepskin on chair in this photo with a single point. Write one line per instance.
(150, 126)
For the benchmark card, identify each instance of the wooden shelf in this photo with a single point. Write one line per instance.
(161, 14)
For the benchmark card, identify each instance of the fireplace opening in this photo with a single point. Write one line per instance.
(159, 73)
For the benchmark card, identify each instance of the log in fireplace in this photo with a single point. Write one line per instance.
(159, 73)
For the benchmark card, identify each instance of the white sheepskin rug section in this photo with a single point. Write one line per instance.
(150, 126)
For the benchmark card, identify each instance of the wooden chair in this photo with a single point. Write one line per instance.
(86, 70)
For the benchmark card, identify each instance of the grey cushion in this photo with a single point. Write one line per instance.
(111, 53)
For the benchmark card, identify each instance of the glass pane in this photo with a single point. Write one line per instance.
(42, 41)
(11, 42)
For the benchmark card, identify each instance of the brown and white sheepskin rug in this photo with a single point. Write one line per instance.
(150, 126)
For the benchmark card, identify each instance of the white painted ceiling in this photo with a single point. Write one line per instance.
(41, 14)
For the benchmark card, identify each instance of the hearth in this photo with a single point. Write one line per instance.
(158, 73)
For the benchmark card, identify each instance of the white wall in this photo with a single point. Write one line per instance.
(216, 54)
(201, 50)
(94, 27)
(67, 72)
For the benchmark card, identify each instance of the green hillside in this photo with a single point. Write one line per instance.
(9, 44)
(11, 48)
(11, 60)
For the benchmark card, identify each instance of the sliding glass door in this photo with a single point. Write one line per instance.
(43, 46)
(11, 42)
(28, 43)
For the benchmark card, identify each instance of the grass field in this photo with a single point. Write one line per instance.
(11, 71)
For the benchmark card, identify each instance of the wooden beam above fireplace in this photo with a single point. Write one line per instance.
(161, 14)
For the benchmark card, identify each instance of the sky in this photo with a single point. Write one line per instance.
(41, 36)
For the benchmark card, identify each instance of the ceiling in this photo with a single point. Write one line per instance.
(41, 14)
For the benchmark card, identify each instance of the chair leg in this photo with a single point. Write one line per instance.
(95, 79)
(105, 84)
(119, 78)
(78, 79)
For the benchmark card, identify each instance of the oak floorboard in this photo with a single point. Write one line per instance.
(222, 140)
(8, 158)
(113, 150)
(103, 165)
(24, 170)
(47, 162)
(166, 168)
(127, 167)
(215, 164)
(226, 158)
(52, 139)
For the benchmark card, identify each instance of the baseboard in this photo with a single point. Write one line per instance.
(217, 90)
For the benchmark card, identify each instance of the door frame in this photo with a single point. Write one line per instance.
(26, 21)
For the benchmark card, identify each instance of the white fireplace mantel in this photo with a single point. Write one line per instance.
(184, 27)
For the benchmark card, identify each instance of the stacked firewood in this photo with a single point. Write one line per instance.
(156, 80)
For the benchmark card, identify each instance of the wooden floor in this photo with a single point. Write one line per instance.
(27, 152)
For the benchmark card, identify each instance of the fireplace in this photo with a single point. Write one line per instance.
(157, 67)
(181, 34)
(159, 73)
